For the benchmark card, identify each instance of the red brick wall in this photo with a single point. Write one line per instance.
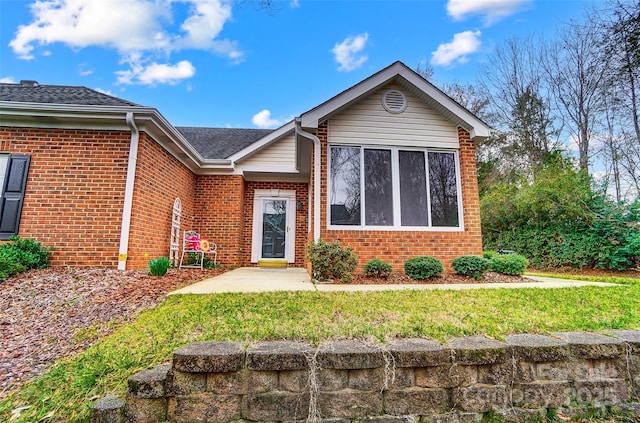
(75, 191)
(396, 247)
(160, 179)
(302, 226)
(218, 208)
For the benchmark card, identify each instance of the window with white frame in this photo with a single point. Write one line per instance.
(393, 188)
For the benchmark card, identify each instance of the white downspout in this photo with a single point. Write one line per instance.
(316, 177)
(128, 192)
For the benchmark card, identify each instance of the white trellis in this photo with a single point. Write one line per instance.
(174, 249)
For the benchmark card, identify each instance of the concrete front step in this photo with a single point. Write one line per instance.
(273, 264)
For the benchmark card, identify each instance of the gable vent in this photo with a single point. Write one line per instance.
(394, 101)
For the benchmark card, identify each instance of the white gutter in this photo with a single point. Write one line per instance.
(128, 192)
(316, 177)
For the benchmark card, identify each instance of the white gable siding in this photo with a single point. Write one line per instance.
(281, 153)
(368, 123)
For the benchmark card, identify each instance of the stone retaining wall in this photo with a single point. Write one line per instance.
(407, 380)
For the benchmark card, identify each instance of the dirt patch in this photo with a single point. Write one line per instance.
(51, 313)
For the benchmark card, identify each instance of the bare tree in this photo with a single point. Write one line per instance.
(577, 71)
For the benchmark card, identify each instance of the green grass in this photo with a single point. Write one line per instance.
(71, 386)
(588, 278)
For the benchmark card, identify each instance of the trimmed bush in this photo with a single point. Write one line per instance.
(423, 267)
(159, 266)
(330, 261)
(377, 268)
(490, 255)
(22, 254)
(472, 266)
(511, 264)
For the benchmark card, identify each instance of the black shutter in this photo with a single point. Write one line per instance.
(15, 184)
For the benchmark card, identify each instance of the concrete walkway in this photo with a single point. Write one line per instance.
(253, 279)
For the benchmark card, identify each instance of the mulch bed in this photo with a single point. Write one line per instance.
(446, 278)
(43, 311)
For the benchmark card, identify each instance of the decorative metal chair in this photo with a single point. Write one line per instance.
(195, 246)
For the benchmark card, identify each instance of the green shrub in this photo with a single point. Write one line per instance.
(511, 264)
(473, 266)
(490, 254)
(377, 268)
(159, 266)
(330, 261)
(423, 267)
(22, 254)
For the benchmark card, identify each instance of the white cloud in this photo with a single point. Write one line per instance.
(492, 10)
(463, 44)
(294, 4)
(263, 120)
(155, 73)
(136, 29)
(8, 80)
(347, 53)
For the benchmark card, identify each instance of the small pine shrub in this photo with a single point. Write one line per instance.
(472, 266)
(377, 268)
(159, 266)
(423, 267)
(330, 261)
(511, 264)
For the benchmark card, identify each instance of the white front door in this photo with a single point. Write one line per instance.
(273, 225)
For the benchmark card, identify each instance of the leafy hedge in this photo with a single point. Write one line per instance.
(558, 220)
(21, 254)
(472, 266)
(423, 267)
(330, 261)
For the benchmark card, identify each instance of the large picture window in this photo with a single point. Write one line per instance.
(393, 188)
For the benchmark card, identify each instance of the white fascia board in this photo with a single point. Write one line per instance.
(263, 142)
(473, 124)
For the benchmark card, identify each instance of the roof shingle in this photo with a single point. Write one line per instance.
(221, 143)
(58, 94)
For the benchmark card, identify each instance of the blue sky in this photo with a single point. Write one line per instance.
(231, 64)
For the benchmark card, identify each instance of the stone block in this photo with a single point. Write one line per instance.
(367, 379)
(591, 346)
(294, 380)
(402, 377)
(108, 410)
(541, 394)
(418, 352)
(332, 379)
(241, 382)
(204, 408)
(453, 417)
(525, 371)
(349, 354)
(149, 383)
(629, 337)
(145, 410)
(597, 369)
(496, 374)
(279, 355)
(275, 406)
(479, 350)
(350, 404)
(481, 398)
(553, 371)
(209, 357)
(531, 347)
(600, 392)
(446, 376)
(182, 383)
(387, 419)
(523, 415)
(416, 401)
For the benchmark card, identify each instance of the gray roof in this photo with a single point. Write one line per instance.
(32, 92)
(221, 143)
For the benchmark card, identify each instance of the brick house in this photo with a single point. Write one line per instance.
(386, 166)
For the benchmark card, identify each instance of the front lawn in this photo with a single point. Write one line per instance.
(68, 390)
